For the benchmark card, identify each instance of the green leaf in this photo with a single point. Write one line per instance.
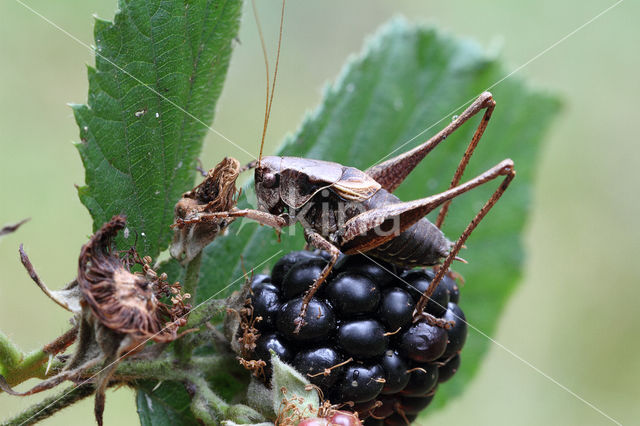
(408, 79)
(159, 70)
(167, 405)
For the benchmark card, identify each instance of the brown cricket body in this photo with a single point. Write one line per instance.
(345, 209)
(323, 196)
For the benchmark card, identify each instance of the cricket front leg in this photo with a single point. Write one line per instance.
(264, 218)
(318, 241)
(391, 173)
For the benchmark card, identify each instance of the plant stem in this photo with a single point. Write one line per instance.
(165, 368)
(205, 312)
(192, 276)
(32, 365)
(207, 405)
(51, 405)
(10, 354)
(182, 350)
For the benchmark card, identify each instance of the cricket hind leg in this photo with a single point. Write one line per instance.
(490, 105)
(368, 230)
(391, 173)
(442, 270)
(318, 241)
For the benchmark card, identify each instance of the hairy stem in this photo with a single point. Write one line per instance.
(205, 311)
(165, 368)
(51, 405)
(206, 405)
(183, 351)
(10, 354)
(192, 276)
(16, 366)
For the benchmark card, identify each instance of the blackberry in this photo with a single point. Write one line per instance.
(287, 261)
(315, 363)
(452, 287)
(381, 272)
(301, 276)
(448, 369)
(413, 405)
(396, 375)
(274, 342)
(266, 304)
(353, 293)
(363, 339)
(419, 281)
(423, 378)
(423, 342)
(259, 281)
(457, 334)
(319, 320)
(361, 383)
(359, 343)
(388, 407)
(400, 419)
(396, 309)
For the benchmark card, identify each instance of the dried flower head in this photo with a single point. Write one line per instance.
(125, 301)
(194, 230)
(116, 311)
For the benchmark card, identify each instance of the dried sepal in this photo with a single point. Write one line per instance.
(193, 230)
(69, 297)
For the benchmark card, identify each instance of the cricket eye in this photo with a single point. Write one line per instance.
(270, 180)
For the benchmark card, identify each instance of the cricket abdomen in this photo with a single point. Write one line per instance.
(422, 244)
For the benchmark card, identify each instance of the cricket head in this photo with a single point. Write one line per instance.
(290, 182)
(267, 184)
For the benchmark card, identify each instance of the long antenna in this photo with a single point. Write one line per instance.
(269, 97)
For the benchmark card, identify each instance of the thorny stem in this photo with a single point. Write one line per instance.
(16, 366)
(51, 405)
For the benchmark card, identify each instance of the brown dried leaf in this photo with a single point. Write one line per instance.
(217, 193)
(8, 229)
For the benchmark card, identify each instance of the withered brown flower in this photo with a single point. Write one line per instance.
(124, 301)
(116, 311)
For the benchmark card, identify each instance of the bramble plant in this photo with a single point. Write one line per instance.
(181, 332)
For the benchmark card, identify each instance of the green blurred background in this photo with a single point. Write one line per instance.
(575, 315)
